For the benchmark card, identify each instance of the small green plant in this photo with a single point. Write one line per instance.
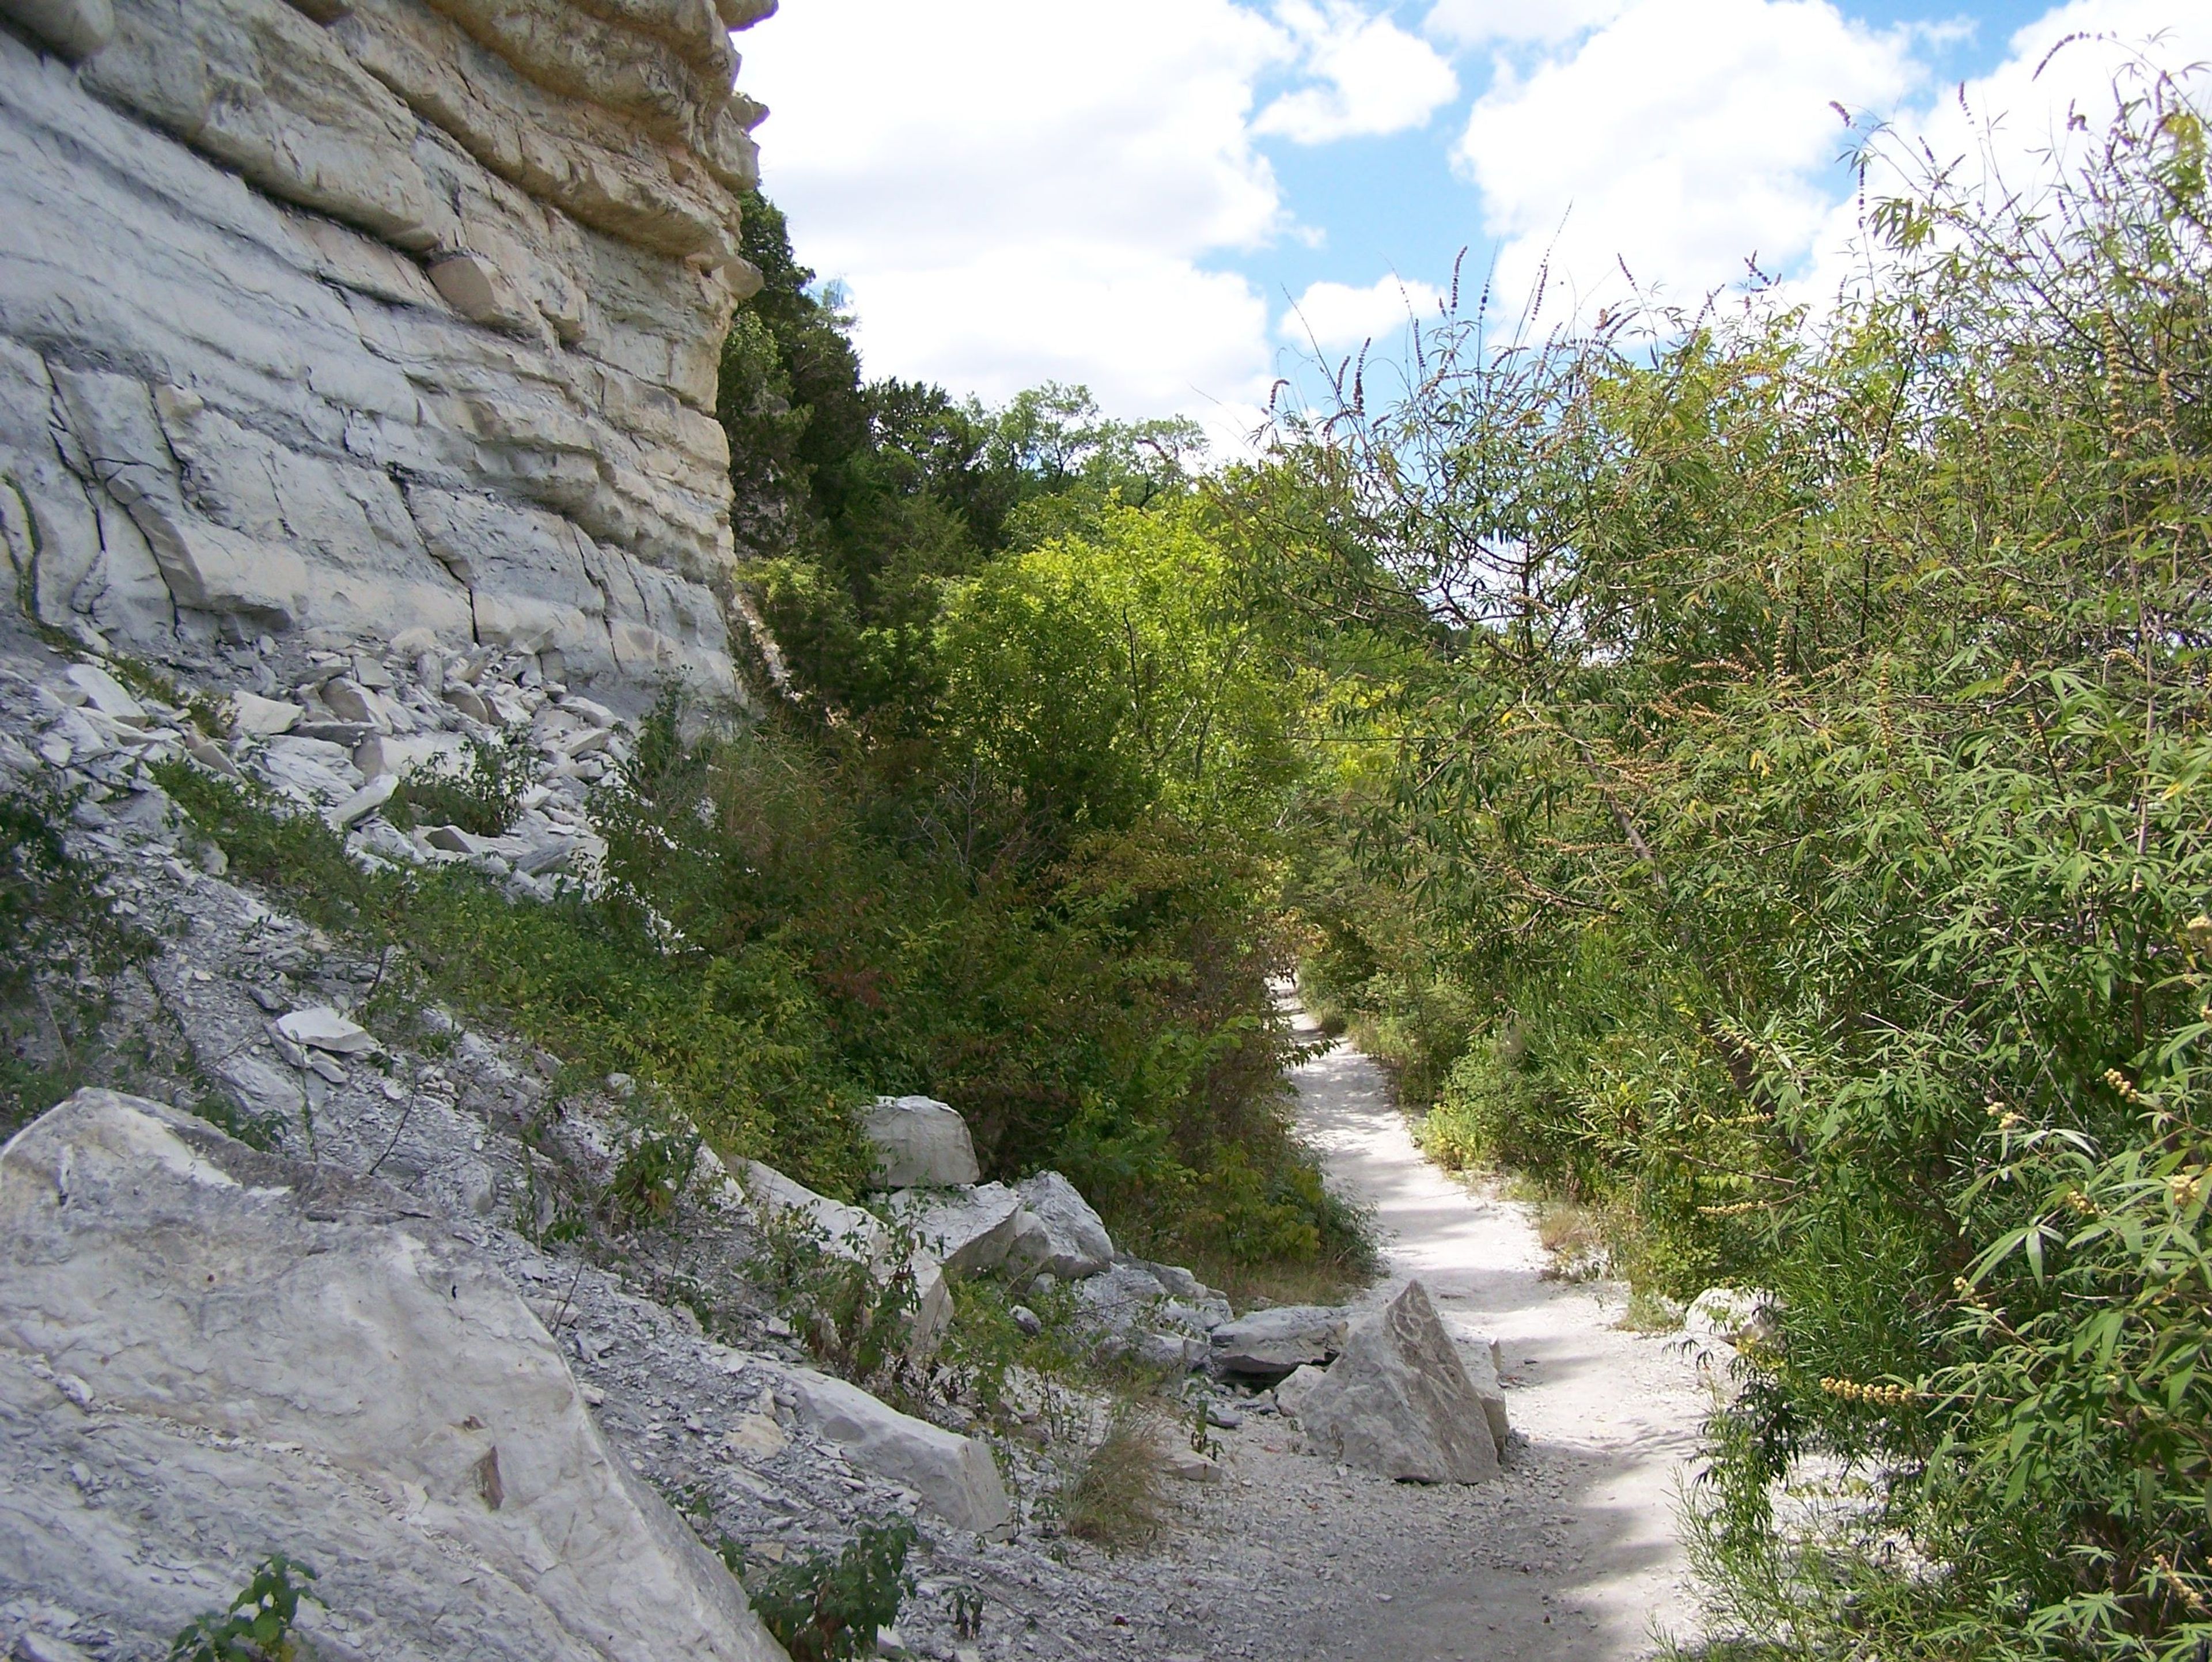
(481, 796)
(262, 1132)
(1114, 1499)
(829, 1607)
(60, 947)
(853, 1304)
(258, 1626)
(967, 1610)
(650, 1179)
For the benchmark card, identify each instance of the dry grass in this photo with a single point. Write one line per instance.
(1118, 1500)
(1575, 1235)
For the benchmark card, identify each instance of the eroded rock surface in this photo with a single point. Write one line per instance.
(1070, 1241)
(341, 318)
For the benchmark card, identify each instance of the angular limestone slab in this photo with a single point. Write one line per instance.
(920, 1142)
(1398, 1402)
(955, 1475)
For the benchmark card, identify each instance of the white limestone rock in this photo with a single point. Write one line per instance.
(920, 1142)
(258, 1353)
(1479, 1354)
(319, 1027)
(1292, 1390)
(91, 684)
(968, 1230)
(955, 1475)
(1073, 1243)
(253, 716)
(75, 28)
(363, 802)
(292, 428)
(1398, 1402)
(1268, 1344)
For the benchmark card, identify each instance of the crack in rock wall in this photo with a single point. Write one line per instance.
(345, 317)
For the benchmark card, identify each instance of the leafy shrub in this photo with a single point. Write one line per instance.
(61, 945)
(258, 1626)
(481, 796)
(650, 1178)
(824, 1607)
(853, 1307)
(1801, 774)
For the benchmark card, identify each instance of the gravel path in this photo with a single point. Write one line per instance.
(1572, 1557)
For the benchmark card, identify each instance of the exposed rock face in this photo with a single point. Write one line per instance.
(1268, 1344)
(969, 1230)
(1478, 1355)
(239, 1355)
(1398, 1402)
(346, 317)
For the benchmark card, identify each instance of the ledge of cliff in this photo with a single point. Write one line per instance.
(333, 319)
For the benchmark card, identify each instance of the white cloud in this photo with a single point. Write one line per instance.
(1375, 78)
(2032, 94)
(1470, 23)
(1335, 316)
(1679, 139)
(1012, 190)
(2009, 129)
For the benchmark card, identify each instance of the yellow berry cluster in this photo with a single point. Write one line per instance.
(2122, 1084)
(1884, 1396)
(2183, 1187)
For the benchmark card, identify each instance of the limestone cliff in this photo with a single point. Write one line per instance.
(339, 318)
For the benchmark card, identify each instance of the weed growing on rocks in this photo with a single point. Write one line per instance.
(1116, 1498)
(830, 1607)
(258, 1626)
(61, 946)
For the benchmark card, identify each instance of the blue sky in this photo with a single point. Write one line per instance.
(1165, 199)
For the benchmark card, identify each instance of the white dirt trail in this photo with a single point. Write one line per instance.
(1573, 1554)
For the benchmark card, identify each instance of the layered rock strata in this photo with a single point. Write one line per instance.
(339, 318)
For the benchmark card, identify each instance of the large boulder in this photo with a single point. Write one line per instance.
(968, 1230)
(955, 1475)
(1398, 1402)
(1134, 1310)
(920, 1142)
(1073, 1243)
(1292, 1390)
(859, 1236)
(1268, 1344)
(208, 1355)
